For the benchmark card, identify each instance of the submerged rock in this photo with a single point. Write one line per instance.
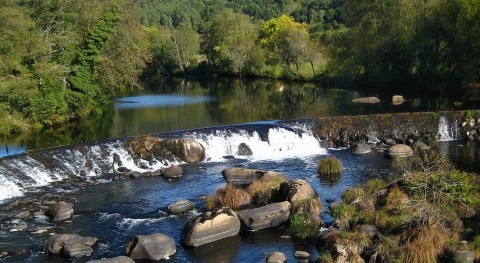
(151, 247)
(266, 216)
(181, 207)
(211, 226)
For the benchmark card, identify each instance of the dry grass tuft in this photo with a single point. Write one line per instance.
(423, 245)
(396, 199)
(233, 197)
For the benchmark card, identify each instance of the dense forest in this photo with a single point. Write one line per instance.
(61, 60)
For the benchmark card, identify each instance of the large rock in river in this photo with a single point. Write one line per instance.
(173, 171)
(361, 148)
(266, 216)
(60, 211)
(400, 151)
(187, 150)
(244, 176)
(69, 244)
(120, 259)
(151, 247)
(244, 150)
(211, 226)
(367, 100)
(181, 207)
(297, 191)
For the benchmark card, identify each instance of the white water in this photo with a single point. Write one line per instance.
(27, 172)
(281, 144)
(446, 132)
(23, 173)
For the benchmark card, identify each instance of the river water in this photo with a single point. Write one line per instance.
(231, 113)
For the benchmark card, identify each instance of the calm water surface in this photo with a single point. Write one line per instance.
(180, 105)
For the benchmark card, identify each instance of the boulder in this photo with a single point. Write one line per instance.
(244, 150)
(302, 254)
(173, 171)
(187, 150)
(181, 207)
(367, 100)
(297, 190)
(464, 256)
(56, 243)
(76, 250)
(151, 247)
(211, 226)
(142, 146)
(397, 99)
(241, 176)
(276, 257)
(399, 151)
(362, 148)
(60, 211)
(327, 239)
(266, 216)
(120, 259)
(271, 175)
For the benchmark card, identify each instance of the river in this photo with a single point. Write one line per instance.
(273, 118)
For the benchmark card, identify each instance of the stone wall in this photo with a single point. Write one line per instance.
(389, 128)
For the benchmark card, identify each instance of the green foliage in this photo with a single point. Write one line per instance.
(303, 225)
(329, 166)
(374, 185)
(351, 194)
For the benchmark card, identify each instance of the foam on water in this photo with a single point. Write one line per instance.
(280, 143)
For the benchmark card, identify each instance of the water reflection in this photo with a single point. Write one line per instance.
(181, 104)
(156, 101)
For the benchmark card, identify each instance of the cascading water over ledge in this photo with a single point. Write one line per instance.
(26, 172)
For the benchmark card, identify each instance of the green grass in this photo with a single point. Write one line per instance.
(329, 166)
(303, 225)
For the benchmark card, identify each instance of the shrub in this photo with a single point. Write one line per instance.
(329, 166)
(233, 197)
(303, 225)
(351, 194)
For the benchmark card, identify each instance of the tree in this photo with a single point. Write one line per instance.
(286, 41)
(229, 43)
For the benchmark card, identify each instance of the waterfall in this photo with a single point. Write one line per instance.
(275, 144)
(25, 172)
(446, 131)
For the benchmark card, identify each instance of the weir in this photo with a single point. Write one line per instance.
(27, 171)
